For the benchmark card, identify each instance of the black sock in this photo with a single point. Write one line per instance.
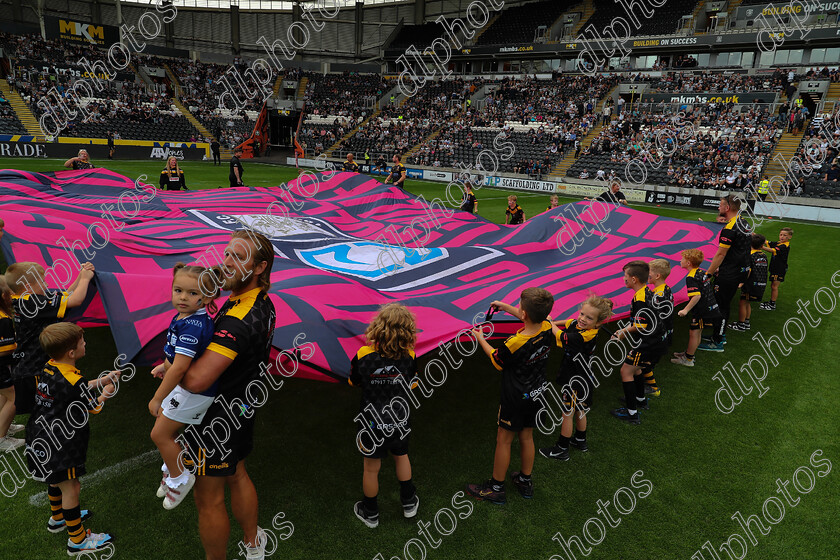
(524, 477)
(563, 442)
(639, 382)
(371, 505)
(629, 394)
(580, 435)
(407, 490)
(689, 356)
(498, 485)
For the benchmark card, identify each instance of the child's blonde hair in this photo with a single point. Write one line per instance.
(59, 338)
(393, 332)
(602, 304)
(660, 267)
(694, 256)
(787, 230)
(16, 276)
(554, 198)
(512, 197)
(5, 297)
(208, 286)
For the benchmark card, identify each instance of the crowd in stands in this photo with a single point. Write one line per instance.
(400, 125)
(817, 162)
(727, 151)
(351, 94)
(542, 119)
(705, 82)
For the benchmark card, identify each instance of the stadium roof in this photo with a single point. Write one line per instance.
(265, 4)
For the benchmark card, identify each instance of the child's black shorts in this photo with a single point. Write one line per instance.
(777, 277)
(572, 400)
(6, 377)
(642, 358)
(745, 296)
(63, 475)
(699, 323)
(518, 415)
(24, 395)
(396, 444)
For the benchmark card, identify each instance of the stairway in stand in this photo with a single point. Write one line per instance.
(334, 147)
(587, 9)
(22, 111)
(224, 152)
(785, 149)
(831, 97)
(301, 90)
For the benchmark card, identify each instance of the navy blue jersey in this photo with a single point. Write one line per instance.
(190, 336)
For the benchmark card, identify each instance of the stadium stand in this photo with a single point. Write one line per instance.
(518, 24)
(9, 122)
(417, 35)
(728, 150)
(817, 159)
(664, 22)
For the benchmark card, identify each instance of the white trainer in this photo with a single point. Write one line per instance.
(15, 428)
(175, 496)
(10, 444)
(257, 552)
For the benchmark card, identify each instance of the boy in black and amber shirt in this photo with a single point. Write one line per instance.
(701, 304)
(647, 328)
(35, 307)
(522, 360)
(778, 265)
(55, 452)
(514, 214)
(663, 303)
(754, 285)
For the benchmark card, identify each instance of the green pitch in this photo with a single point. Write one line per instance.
(703, 465)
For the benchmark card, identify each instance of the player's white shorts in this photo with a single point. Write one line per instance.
(185, 407)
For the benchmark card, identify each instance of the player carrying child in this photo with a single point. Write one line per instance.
(193, 290)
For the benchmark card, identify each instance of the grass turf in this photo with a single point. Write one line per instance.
(703, 465)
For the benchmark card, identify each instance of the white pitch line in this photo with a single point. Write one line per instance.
(102, 475)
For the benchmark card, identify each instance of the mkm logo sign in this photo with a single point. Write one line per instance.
(87, 31)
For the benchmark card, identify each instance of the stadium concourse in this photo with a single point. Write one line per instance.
(623, 214)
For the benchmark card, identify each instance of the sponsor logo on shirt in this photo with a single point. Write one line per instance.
(188, 339)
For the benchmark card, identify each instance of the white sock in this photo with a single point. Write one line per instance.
(164, 469)
(178, 480)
